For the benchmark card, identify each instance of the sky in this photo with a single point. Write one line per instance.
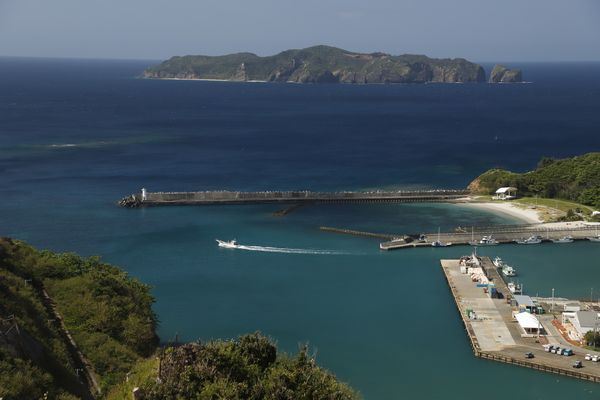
(479, 30)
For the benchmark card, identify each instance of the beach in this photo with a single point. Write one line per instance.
(527, 215)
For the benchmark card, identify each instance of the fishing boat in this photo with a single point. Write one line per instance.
(484, 241)
(564, 239)
(498, 262)
(507, 270)
(439, 243)
(232, 244)
(594, 238)
(514, 288)
(530, 240)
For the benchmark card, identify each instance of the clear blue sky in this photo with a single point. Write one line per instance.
(480, 30)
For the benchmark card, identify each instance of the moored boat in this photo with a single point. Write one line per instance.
(507, 270)
(564, 239)
(514, 288)
(498, 262)
(594, 238)
(484, 241)
(530, 240)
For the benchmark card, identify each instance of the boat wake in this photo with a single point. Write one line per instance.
(289, 250)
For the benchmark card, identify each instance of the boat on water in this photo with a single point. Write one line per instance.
(498, 262)
(564, 239)
(507, 270)
(232, 244)
(530, 240)
(514, 288)
(594, 238)
(484, 241)
(439, 243)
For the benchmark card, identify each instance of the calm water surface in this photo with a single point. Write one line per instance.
(77, 135)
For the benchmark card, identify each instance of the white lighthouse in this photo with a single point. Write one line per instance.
(144, 194)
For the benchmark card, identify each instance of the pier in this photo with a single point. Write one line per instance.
(503, 234)
(145, 198)
(495, 335)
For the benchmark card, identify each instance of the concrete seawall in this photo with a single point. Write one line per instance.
(287, 197)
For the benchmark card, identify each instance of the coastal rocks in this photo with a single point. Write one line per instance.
(131, 201)
(502, 74)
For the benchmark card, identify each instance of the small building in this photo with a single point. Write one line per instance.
(585, 321)
(529, 323)
(524, 303)
(505, 193)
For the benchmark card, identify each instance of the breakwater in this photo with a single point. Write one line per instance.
(145, 198)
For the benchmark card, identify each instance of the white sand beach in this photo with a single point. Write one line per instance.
(527, 215)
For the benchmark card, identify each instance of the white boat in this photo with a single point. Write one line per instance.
(594, 238)
(530, 240)
(498, 262)
(564, 239)
(484, 241)
(232, 244)
(507, 270)
(439, 243)
(514, 288)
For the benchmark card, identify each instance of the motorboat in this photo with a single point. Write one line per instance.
(232, 244)
(564, 239)
(507, 270)
(530, 240)
(514, 288)
(484, 241)
(498, 262)
(594, 238)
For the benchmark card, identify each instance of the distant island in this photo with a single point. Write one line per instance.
(319, 64)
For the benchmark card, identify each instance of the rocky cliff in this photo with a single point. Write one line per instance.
(502, 74)
(319, 64)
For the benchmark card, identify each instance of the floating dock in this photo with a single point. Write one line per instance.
(495, 335)
(145, 198)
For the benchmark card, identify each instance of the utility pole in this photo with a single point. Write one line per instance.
(552, 306)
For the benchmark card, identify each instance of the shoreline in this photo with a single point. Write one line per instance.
(524, 214)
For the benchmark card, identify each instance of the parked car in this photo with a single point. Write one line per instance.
(567, 352)
(548, 347)
(595, 358)
(588, 357)
(555, 350)
(577, 364)
(529, 355)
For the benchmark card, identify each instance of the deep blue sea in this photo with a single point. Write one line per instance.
(76, 135)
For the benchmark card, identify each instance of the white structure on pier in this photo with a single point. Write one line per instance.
(144, 194)
(506, 193)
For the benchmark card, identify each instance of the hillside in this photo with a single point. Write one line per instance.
(576, 179)
(107, 314)
(319, 64)
(247, 368)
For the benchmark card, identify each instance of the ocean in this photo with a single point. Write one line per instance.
(77, 135)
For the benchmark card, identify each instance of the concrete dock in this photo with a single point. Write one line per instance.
(503, 234)
(145, 198)
(494, 334)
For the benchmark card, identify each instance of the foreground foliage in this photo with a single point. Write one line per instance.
(108, 314)
(246, 368)
(575, 179)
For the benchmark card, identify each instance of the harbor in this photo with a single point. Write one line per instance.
(517, 329)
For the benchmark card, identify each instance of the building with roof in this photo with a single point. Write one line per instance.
(585, 321)
(505, 193)
(525, 303)
(529, 323)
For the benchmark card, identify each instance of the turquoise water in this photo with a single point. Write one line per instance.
(86, 134)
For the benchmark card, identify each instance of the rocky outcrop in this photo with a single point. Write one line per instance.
(131, 201)
(502, 74)
(320, 64)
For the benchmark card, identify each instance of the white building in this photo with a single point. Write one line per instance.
(505, 193)
(585, 321)
(529, 323)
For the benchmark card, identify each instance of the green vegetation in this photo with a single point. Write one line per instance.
(592, 339)
(320, 64)
(246, 368)
(108, 314)
(575, 180)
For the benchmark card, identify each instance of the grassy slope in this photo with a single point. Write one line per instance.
(108, 313)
